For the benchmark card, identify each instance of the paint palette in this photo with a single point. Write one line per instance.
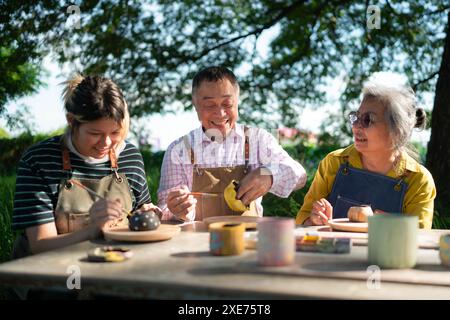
(323, 244)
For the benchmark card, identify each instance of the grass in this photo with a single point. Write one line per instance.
(7, 236)
(440, 221)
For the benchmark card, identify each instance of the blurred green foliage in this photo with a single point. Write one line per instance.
(13, 148)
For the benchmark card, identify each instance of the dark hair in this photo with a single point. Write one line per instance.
(94, 97)
(421, 118)
(213, 74)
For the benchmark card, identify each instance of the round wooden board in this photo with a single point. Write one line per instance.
(344, 224)
(163, 232)
(249, 221)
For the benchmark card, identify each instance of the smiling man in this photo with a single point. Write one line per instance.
(206, 160)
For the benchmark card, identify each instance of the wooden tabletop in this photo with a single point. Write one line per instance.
(182, 267)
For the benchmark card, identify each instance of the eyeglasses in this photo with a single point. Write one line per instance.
(365, 120)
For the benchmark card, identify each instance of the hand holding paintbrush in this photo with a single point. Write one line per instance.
(181, 202)
(105, 210)
(92, 192)
(144, 207)
(104, 213)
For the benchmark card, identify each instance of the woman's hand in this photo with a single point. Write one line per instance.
(180, 202)
(321, 212)
(105, 212)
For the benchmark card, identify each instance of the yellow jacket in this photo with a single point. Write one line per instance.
(419, 197)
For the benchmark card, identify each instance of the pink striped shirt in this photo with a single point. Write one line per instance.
(288, 175)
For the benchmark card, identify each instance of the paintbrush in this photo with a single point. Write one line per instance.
(204, 194)
(92, 192)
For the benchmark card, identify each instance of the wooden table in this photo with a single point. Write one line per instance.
(182, 268)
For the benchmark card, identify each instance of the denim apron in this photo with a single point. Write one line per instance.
(215, 180)
(355, 187)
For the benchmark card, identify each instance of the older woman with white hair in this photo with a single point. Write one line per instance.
(380, 168)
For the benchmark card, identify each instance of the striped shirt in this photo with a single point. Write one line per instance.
(265, 150)
(40, 172)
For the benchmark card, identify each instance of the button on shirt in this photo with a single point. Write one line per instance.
(265, 151)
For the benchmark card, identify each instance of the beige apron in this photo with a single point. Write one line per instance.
(215, 180)
(74, 202)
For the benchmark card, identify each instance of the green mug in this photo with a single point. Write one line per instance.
(393, 240)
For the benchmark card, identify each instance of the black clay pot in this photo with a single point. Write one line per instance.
(143, 221)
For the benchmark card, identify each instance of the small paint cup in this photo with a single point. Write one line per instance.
(276, 241)
(226, 239)
(393, 241)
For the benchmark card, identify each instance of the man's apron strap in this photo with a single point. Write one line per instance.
(189, 148)
(246, 149)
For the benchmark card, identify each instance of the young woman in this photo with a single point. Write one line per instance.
(49, 204)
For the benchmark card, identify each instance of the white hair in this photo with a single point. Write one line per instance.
(401, 113)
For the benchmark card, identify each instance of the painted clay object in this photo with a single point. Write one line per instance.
(359, 213)
(143, 221)
(230, 197)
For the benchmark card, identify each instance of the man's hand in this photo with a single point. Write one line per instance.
(321, 212)
(254, 185)
(180, 202)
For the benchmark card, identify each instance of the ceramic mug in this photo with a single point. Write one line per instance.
(444, 250)
(276, 241)
(393, 241)
(226, 239)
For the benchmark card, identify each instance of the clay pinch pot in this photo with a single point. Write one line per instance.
(359, 213)
(230, 193)
(143, 221)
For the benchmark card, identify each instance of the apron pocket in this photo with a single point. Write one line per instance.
(342, 205)
(78, 221)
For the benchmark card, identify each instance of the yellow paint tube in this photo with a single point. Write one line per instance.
(226, 238)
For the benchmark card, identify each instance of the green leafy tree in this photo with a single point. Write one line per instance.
(19, 77)
(20, 59)
(153, 48)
